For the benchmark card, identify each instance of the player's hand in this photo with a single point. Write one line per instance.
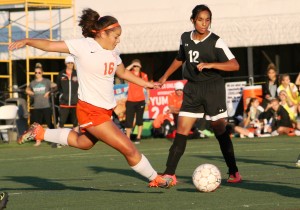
(157, 85)
(149, 85)
(17, 44)
(153, 85)
(202, 66)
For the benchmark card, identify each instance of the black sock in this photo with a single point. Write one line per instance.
(175, 152)
(227, 151)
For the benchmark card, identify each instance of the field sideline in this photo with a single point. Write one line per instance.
(70, 179)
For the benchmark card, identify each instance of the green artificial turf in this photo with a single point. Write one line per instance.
(69, 179)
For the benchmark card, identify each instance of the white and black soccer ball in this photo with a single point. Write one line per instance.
(207, 178)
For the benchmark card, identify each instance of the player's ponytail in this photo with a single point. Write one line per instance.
(91, 22)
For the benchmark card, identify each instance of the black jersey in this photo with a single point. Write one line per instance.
(211, 49)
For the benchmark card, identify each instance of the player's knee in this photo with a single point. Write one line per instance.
(218, 127)
(86, 147)
(81, 142)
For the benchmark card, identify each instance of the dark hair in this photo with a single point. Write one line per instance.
(198, 9)
(271, 66)
(249, 104)
(283, 76)
(274, 100)
(91, 22)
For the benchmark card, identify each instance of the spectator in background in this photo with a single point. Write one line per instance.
(251, 124)
(163, 124)
(136, 101)
(271, 85)
(175, 100)
(297, 82)
(297, 127)
(40, 89)
(252, 113)
(297, 130)
(290, 88)
(281, 121)
(67, 84)
(288, 105)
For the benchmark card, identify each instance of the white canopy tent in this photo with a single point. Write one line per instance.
(151, 26)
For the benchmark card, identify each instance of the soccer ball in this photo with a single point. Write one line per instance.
(207, 178)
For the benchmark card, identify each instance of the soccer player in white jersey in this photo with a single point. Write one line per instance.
(97, 62)
(205, 55)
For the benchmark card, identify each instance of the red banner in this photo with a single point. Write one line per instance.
(159, 98)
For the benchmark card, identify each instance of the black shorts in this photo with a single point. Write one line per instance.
(134, 110)
(204, 99)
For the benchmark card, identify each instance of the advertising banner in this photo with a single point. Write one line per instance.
(234, 94)
(159, 98)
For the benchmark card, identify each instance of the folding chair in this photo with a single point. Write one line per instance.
(9, 113)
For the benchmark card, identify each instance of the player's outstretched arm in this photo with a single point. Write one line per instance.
(127, 75)
(42, 44)
(172, 68)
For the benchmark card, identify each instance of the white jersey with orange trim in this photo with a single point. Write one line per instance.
(96, 69)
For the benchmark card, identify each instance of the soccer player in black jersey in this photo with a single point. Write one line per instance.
(205, 55)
